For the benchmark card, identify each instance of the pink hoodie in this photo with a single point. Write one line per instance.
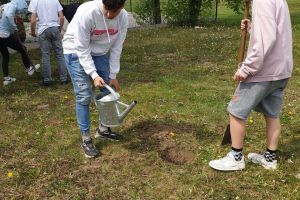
(269, 56)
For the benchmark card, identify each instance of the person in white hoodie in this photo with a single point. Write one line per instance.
(262, 79)
(92, 48)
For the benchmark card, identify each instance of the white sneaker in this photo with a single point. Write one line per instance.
(37, 67)
(260, 159)
(8, 80)
(228, 163)
(30, 70)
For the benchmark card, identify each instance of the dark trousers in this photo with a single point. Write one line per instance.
(13, 42)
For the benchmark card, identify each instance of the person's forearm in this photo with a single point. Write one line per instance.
(32, 27)
(61, 20)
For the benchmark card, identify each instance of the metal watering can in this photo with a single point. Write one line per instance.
(112, 111)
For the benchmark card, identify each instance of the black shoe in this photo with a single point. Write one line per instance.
(109, 134)
(65, 82)
(46, 83)
(89, 149)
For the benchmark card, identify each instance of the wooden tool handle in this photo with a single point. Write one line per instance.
(244, 33)
(227, 134)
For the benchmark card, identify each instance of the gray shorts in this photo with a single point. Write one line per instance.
(264, 97)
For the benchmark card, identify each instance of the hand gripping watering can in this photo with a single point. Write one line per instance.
(112, 111)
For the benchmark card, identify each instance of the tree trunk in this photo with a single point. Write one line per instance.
(156, 12)
(216, 13)
(195, 6)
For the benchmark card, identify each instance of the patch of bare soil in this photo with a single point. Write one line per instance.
(153, 130)
(54, 122)
(69, 102)
(168, 148)
(177, 155)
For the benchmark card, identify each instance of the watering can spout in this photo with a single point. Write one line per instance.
(127, 110)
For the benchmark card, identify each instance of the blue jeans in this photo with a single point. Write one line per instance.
(51, 37)
(83, 86)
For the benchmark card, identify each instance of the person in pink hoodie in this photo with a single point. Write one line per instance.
(262, 78)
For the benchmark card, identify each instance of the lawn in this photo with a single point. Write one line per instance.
(181, 79)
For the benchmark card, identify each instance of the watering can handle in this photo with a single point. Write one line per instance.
(111, 90)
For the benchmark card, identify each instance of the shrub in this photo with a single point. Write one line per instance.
(182, 12)
(235, 5)
(144, 11)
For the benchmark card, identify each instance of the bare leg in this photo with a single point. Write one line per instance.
(238, 131)
(273, 132)
(234, 160)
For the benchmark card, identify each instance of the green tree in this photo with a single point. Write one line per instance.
(180, 12)
(156, 12)
(194, 8)
(235, 5)
(148, 12)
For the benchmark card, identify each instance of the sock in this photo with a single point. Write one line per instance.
(237, 153)
(85, 137)
(102, 128)
(270, 155)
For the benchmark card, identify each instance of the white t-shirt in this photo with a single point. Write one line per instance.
(47, 13)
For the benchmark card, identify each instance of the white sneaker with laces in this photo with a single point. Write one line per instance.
(260, 159)
(30, 70)
(8, 80)
(228, 163)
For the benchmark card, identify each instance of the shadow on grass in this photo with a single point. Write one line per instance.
(31, 85)
(291, 149)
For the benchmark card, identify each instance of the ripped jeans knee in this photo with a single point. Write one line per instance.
(83, 94)
(83, 100)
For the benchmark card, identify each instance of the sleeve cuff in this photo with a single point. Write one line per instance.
(112, 76)
(243, 73)
(94, 75)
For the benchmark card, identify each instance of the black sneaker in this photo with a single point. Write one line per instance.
(65, 82)
(109, 134)
(89, 149)
(46, 83)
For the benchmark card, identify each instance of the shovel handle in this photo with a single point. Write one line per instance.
(227, 134)
(244, 33)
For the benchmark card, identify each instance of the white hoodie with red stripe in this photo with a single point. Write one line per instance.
(269, 56)
(90, 33)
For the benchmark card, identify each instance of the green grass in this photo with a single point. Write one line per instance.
(181, 78)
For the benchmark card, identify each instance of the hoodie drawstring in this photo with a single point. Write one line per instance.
(106, 27)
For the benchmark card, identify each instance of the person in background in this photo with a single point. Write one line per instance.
(70, 10)
(262, 78)
(92, 47)
(9, 38)
(49, 23)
